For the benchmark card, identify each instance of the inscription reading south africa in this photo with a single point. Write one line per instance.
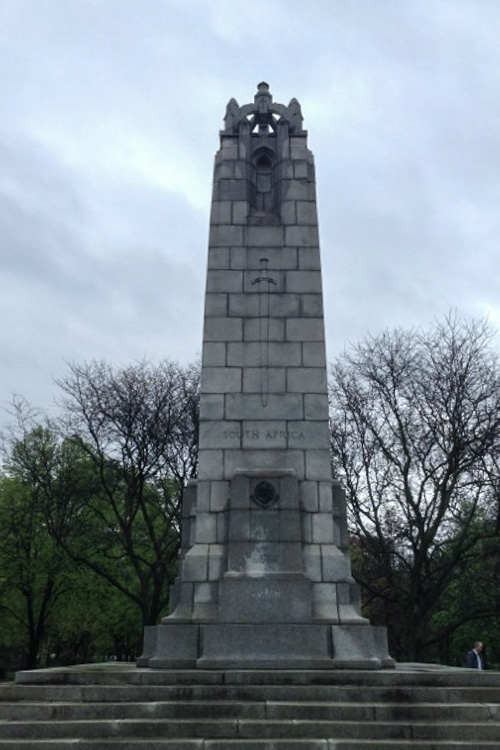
(263, 434)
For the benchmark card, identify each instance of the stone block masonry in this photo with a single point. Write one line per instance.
(264, 571)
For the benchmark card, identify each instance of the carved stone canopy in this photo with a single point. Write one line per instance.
(263, 113)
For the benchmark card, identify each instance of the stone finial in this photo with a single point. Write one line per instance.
(263, 98)
(295, 116)
(261, 112)
(263, 88)
(232, 116)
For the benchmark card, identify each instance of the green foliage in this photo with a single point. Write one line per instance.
(90, 505)
(94, 622)
(33, 568)
(469, 610)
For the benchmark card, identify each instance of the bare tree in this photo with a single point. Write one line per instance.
(415, 438)
(138, 426)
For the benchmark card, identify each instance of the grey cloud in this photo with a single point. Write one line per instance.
(103, 251)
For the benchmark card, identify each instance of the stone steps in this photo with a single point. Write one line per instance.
(268, 710)
(247, 693)
(121, 707)
(247, 729)
(237, 744)
(125, 673)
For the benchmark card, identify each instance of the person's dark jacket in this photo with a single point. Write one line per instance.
(471, 659)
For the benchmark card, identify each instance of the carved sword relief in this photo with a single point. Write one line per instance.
(264, 281)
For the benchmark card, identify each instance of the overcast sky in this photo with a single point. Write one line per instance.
(110, 113)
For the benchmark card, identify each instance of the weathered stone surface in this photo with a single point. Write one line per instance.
(249, 406)
(240, 212)
(304, 329)
(273, 354)
(264, 283)
(334, 566)
(273, 329)
(206, 526)
(238, 258)
(176, 646)
(241, 644)
(223, 328)
(300, 170)
(216, 561)
(306, 213)
(289, 526)
(214, 354)
(352, 642)
(322, 529)
(309, 496)
(325, 497)
(264, 569)
(303, 282)
(294, 190)
(195, 564)
(218, 258)
(222, 282)
(264, 434)
(301, 236)
(274, 379)
(219, 494)
(212, 406)
(312, 306)
(244, 305)
(313, 354)
(230, 190)
(289, 212)
(219, 434)
(306, 380)
(226, 236)
(203, 496)
(312, 561)
(262, 600)
(284, 305)
(205, 601)
(216, 307)
(278, 257)
(266, 460)
(221, 212)
(315, 406)
(264, 237)
(221, 380)
(211, 464)
(224, 170)
(325, 602)
(309, 259)
(265, 524)
(309, 435)
(318, 464)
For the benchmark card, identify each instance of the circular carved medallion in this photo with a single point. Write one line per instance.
(265, 494)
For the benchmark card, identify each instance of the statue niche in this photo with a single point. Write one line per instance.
(262, 198)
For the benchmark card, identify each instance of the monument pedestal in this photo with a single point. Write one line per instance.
(279, 594)
(265, 646)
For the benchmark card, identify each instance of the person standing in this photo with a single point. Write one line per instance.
(475, 657)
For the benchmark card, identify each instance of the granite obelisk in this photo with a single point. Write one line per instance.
(265, 576)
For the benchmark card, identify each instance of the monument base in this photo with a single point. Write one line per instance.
(183, 645)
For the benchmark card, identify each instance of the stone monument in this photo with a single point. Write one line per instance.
(264, 577)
